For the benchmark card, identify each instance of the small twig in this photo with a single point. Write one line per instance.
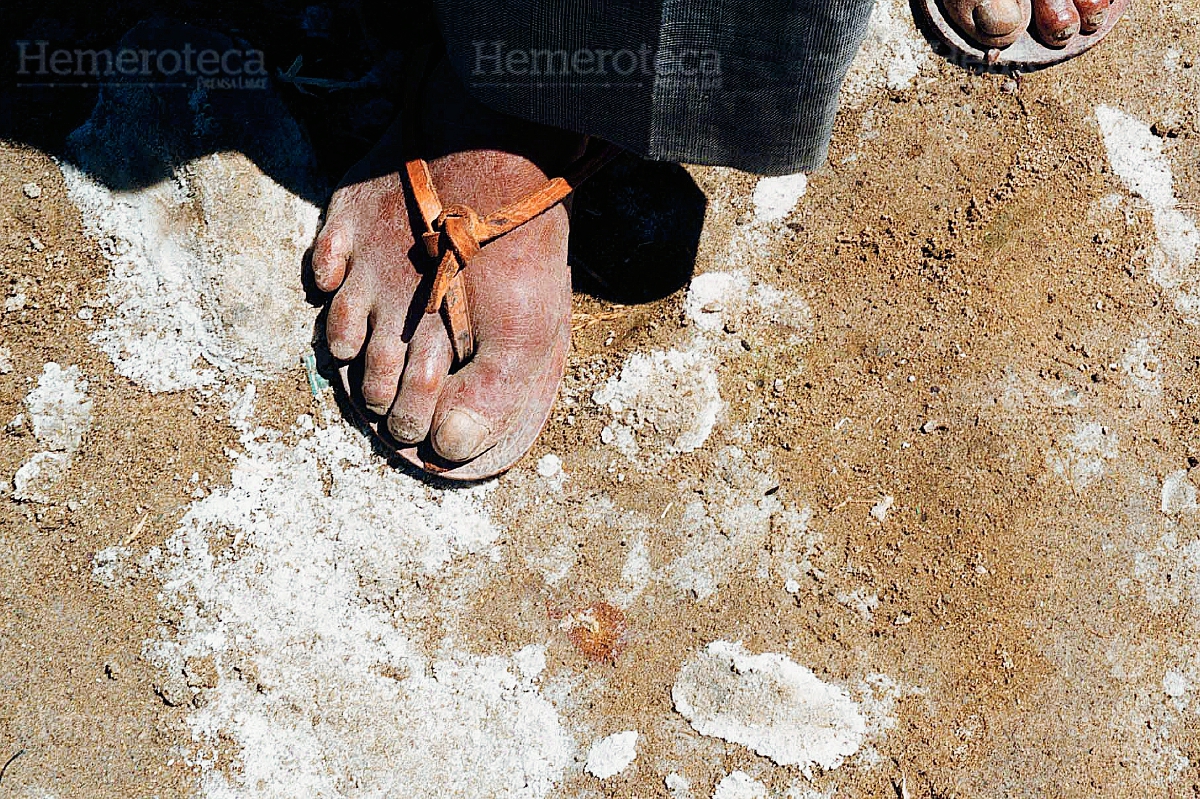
(851, 501)
(4, 769)
(604, 284)
(901, 787)
(292, 76)
(135, 532)
(583, 320)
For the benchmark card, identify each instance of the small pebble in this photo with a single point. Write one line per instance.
(902, 619)
(931, 426)
(112, 670)
(32, 190)
(881, 508)
(606, 435)
(549, 465)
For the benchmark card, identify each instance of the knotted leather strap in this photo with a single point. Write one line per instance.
(455, 234)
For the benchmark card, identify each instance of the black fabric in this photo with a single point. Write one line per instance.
(751, 85)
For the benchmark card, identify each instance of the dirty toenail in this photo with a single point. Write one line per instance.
(377, 409)
(460, 436)
(406, 429)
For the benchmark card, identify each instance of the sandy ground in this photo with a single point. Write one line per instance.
(897, 498)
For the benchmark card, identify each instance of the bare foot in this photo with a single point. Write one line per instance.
(999, 23)
(518, 287)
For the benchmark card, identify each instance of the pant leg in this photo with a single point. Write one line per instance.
(752, 85)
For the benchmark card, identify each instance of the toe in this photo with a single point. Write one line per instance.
(1092, 14)
(1057, 20)
(425, 370)
(383, 363)
(994, 23)
(998, 19)
(331, 254)
(346, 322)
(480, 402)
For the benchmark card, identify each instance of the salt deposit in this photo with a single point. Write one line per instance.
(775, 197)
(665, 402)
(612, 755)
(739, 785)
(1137, 157)
(316, 629)
(770, 704)
(1079, 457)
(60, 413)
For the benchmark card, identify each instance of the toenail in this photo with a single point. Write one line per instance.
(378, 409)
(460, 436)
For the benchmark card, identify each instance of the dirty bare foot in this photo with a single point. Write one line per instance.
(519, 287)
(999, 23)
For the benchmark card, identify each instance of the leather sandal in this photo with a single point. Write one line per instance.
(1027, 53)
(452, 237)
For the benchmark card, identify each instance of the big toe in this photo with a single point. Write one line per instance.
(487, 401)
(994, 23)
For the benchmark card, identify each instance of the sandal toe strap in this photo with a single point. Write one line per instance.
(455, 234)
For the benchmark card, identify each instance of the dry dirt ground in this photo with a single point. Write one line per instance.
(924, 431)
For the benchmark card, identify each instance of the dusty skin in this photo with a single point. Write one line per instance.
(994, 337)
(518, 287)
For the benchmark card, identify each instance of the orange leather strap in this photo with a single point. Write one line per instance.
(455, 234)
